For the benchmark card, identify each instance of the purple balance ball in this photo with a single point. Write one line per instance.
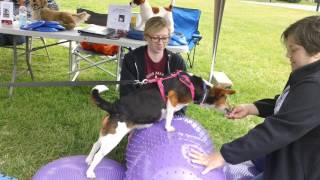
(75, 167)
(155, 154)
(243, 171)
(171, 162)
(144, 139)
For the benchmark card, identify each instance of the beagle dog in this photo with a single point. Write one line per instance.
(158, 99)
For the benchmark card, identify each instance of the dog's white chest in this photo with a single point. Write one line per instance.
(36, 15)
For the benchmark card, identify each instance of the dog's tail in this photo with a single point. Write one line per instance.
(80, 17)
(101, 103)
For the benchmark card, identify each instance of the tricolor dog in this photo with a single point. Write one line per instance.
(146, 12)
(159, 98)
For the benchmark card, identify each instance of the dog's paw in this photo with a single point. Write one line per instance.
(89, 160)
(170, 129)
(90, 174)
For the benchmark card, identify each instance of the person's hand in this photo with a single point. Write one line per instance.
(238, 112)
(242, 111)
(210, 161)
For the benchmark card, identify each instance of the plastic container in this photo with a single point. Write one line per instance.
(22, 15)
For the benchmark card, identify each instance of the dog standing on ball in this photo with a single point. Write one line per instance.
(151, 103)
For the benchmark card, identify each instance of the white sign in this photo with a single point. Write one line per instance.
(119, 17)
(6, 10)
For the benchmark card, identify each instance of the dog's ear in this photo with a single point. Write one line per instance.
(220, 91)
(229, 91)
(138, 2)
(44, 3)
(155, 10)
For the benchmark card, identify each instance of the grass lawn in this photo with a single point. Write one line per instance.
(38, 125)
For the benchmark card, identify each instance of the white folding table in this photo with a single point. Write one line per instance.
(71, 35)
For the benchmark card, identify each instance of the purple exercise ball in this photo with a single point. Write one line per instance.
(170, 162)
(155, 154)
(144, 139)
(75, 167)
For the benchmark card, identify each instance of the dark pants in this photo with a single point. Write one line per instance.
(7, 40)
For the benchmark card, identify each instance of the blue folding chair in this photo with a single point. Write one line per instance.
(186, 21)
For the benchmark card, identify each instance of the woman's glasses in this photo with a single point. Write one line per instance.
(155, 39)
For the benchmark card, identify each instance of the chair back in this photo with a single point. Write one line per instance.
(186, 21)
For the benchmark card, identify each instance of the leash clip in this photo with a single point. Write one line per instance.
(145, 81)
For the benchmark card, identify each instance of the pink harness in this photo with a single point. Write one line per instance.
(182, 78)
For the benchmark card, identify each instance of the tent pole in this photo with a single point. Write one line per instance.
(218, 13)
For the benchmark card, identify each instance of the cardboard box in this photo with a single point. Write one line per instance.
(220, 78)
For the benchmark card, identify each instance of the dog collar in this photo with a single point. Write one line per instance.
(205, 94)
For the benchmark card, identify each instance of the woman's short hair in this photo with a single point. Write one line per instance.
(155, 24)
(306, 33)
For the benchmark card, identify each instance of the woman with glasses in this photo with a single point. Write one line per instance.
(153, 60)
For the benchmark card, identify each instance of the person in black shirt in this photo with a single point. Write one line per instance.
(289, 137)
(152, 60)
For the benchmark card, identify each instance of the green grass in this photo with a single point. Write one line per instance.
(304, 2)
(38, 125)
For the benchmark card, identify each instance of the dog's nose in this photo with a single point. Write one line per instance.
(228, 110)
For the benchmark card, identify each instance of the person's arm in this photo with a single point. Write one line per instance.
(243, 111)
(266, 106)
(298, 115)
(128, 72)
(181, 62)
(262, 108)
(177, 62)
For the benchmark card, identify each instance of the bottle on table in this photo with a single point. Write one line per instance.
(22, 14)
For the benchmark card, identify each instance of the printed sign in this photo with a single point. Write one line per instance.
(6, 12)
(119, 17)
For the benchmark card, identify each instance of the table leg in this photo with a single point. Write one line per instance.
(70, 61)
(15, 64)
(28, 56)
(119, 64)
(73, 64)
